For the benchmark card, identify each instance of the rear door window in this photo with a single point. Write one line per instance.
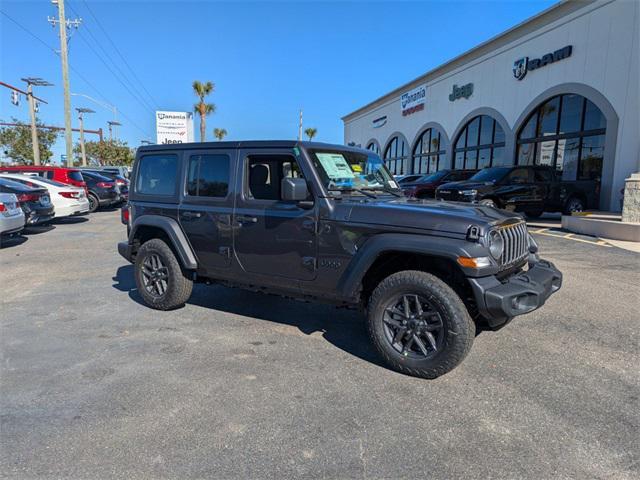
(208, 175)
(157, 175)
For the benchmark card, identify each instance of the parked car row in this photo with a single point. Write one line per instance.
(532, 190)
(35, 195)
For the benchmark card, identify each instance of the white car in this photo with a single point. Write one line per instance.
(11, 215)
(66, 199)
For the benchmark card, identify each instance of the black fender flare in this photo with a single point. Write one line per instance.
(178, 239)
(442, 247)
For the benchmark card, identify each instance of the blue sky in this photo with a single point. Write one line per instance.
(267, 59)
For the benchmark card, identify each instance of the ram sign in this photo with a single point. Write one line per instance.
(174, 127)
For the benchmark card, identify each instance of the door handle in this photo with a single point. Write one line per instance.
(191, 214)
(246, 219)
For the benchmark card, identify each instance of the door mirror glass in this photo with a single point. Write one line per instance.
(294, 189)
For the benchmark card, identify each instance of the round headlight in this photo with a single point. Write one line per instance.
(496, 244)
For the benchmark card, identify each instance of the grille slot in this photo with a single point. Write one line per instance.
(516, 244)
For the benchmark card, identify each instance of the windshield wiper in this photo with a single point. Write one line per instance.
(386, 189)
(359, 190)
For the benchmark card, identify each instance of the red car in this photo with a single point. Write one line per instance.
(70, 176)
(425, 187)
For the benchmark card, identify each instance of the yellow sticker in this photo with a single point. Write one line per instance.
(356, 168)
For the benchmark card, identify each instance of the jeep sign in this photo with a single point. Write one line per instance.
(174, 127)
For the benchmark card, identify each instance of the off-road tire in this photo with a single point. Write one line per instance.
(458, 336)
(179, 286)
(574, 204)
(94, 203)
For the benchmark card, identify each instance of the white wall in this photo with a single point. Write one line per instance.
(605, 58)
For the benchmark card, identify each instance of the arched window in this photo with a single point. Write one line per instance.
(565, 132)
(373, 146)
(429, 152)
(480, 144)
(395, 155)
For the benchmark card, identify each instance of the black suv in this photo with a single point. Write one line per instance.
(329, 223)
(529, 189)
(103, 191)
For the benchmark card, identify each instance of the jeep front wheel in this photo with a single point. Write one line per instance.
(159, 278)
(419, 325)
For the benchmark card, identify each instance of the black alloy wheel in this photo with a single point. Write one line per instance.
(94, 203)
(413, 326)
(155, 276)
(574, 205)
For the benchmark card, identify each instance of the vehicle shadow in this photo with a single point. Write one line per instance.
(38, 229)
(12, 241)
(343, 328)
(70, 220)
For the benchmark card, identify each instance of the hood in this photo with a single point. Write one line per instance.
(427, 214)
(466, 185)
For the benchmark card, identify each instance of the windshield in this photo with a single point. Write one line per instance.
(434, 177)
(348, 170)
(492, 174)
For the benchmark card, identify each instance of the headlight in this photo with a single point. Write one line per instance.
(468, 192)
(496, 244)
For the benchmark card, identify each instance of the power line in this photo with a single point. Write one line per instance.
(77, 72)
(131, 86)
(140, 82)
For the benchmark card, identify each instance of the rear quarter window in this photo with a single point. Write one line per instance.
(75, 176)
(157, 175)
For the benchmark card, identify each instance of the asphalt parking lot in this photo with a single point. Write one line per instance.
(243, 385)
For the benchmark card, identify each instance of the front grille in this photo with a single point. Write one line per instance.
(516, 244)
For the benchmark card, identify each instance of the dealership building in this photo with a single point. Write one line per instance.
(560, 89)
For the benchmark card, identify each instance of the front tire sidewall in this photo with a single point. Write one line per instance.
(459, 328)
(179, 287)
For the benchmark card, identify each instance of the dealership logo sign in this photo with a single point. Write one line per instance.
(524, 64)
(413, 100)
(464, 91)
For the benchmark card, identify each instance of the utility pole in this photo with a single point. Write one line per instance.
(64, 24)
(81, 112)
(300, 127)
(31, 81)
(111, 125)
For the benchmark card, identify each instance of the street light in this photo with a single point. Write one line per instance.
(106, 105)
(111, 124)
(146, 142)
(38, 82)
(81, 111)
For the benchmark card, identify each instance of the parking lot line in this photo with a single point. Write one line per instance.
(570, 236)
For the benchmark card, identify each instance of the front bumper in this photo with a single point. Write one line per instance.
(500, 301)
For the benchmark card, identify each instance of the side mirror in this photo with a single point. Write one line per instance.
(294, 189)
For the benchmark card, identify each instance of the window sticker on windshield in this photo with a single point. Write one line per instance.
(393, 184)
(356, 168)
(335, 165)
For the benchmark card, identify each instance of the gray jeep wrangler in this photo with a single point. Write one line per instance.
(329, 223)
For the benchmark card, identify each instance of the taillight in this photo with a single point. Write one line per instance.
(105, 185)
(125, 214)
(69, 194)
(121, 182)
(28, 197)
(2, 207)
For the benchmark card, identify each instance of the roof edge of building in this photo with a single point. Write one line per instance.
(554, 12)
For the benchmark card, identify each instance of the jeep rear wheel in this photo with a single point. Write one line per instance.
(159, 278)
(419, 325)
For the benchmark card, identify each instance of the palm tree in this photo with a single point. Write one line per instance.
(311, 132)
(202, 90)
(219, 133)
